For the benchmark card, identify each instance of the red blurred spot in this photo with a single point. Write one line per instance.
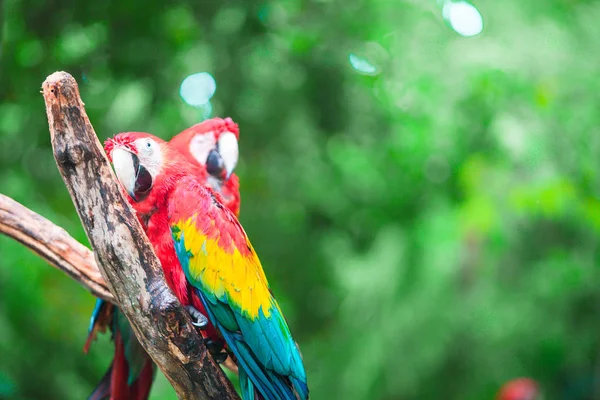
(519, 389)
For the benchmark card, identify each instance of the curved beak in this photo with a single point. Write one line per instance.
(228, 149)
(134, 177)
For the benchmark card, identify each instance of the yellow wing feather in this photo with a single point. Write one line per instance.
(227, 273)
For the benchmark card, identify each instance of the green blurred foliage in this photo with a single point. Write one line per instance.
(430, 229)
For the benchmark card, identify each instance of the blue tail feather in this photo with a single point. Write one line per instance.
(300, 386)
(247, 388)
(100, 304)
(253, 375)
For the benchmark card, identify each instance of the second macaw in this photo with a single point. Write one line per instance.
(210, 264)
(213, 146)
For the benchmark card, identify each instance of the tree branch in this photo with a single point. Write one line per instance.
(53, 244)
(123, 253)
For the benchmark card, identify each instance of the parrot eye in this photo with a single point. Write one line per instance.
(147, 146)
(214, 164)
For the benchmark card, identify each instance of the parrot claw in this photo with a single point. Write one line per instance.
(215, 348)
(199, 320)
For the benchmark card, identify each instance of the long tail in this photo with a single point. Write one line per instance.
(257, 382)
(248, 390)
(132, 371)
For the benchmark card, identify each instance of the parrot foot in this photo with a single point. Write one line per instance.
(199, 320)
(215, 348)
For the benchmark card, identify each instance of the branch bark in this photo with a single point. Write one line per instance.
(53, 244)
(123, 253)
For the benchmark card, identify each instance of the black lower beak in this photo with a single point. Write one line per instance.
(215, 164)
(143, 181)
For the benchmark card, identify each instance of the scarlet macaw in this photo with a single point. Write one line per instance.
(210, 264)
(213, 146)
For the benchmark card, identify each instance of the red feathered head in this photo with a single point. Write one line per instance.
(213, 146)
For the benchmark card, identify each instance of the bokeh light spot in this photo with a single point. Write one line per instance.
(362, 65)
(463, 17)
(197, 89)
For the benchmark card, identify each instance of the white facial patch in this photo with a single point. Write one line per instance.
(123, 163)
(149, 155)
(228, 149)
(201, 145)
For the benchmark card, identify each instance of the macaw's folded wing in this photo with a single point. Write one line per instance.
(219, 261)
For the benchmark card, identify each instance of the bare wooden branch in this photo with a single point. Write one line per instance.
(53, 244)
(123, 253)
(59, 249)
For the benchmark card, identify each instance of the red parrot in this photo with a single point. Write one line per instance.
(519, 389)
(212, 145)
(210, 264)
